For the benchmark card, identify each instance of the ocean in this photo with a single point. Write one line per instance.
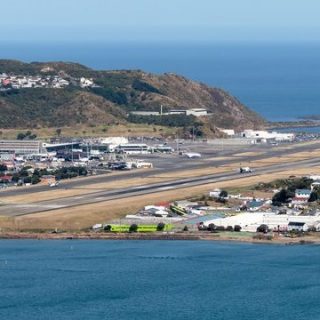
(279, 81)
(91, 279)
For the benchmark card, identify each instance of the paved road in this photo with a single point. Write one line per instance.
(102, 196)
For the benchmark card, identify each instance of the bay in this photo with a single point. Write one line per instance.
(91, 279)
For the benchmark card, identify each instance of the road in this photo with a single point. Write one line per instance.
(102, 196)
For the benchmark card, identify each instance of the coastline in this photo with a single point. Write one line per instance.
(185, 236)
(292, 124)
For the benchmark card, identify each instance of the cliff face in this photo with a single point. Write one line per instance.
(115, 94)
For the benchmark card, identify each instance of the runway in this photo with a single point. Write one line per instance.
(174, 163)
(103, 196)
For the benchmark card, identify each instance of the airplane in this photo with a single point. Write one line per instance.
(192, 155)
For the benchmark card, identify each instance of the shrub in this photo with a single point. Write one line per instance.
(144, 86)
(160, 226)
(263, 228)
(229, 228)
(133, 228)
(107, 228)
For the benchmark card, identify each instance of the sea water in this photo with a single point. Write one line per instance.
(157, 280)
(279, 81)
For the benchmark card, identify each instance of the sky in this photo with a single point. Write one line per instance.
(159, 20)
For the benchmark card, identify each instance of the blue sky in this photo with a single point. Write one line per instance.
(160, 20)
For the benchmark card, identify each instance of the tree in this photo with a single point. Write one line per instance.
(263, 228)
(35, 179)
(20, 136)
(313, 197)
(32, 136)
(107, 228)
(58, 132)
(237, 228)
(211, 227)
(161, 226)
(282, 197)
(223, 194)
(133, 228)
(27, 180)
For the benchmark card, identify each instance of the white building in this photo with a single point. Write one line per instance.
(250, 221)
(266, 135)
(133, 148)
(21, 147)
(84, 82)
(228, 132)
(197, 112)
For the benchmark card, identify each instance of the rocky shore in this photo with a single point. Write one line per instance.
(236, 237)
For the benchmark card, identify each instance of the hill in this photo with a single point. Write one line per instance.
(54, 95)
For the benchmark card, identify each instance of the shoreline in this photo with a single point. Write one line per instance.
(292, 124)
(186, 236)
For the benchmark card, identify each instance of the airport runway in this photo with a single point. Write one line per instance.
(102, 196)
(164, 163)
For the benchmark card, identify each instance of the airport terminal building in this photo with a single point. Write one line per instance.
(21, 147)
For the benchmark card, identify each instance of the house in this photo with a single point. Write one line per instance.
(215, 193)
(302, 193)
(301, 196)
(254, 205)
(298, 226)
(5, 179)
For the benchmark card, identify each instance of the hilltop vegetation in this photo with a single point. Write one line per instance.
(116, 94)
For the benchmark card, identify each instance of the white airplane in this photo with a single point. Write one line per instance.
(245, 170)
(54, 184)
(192, 155)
